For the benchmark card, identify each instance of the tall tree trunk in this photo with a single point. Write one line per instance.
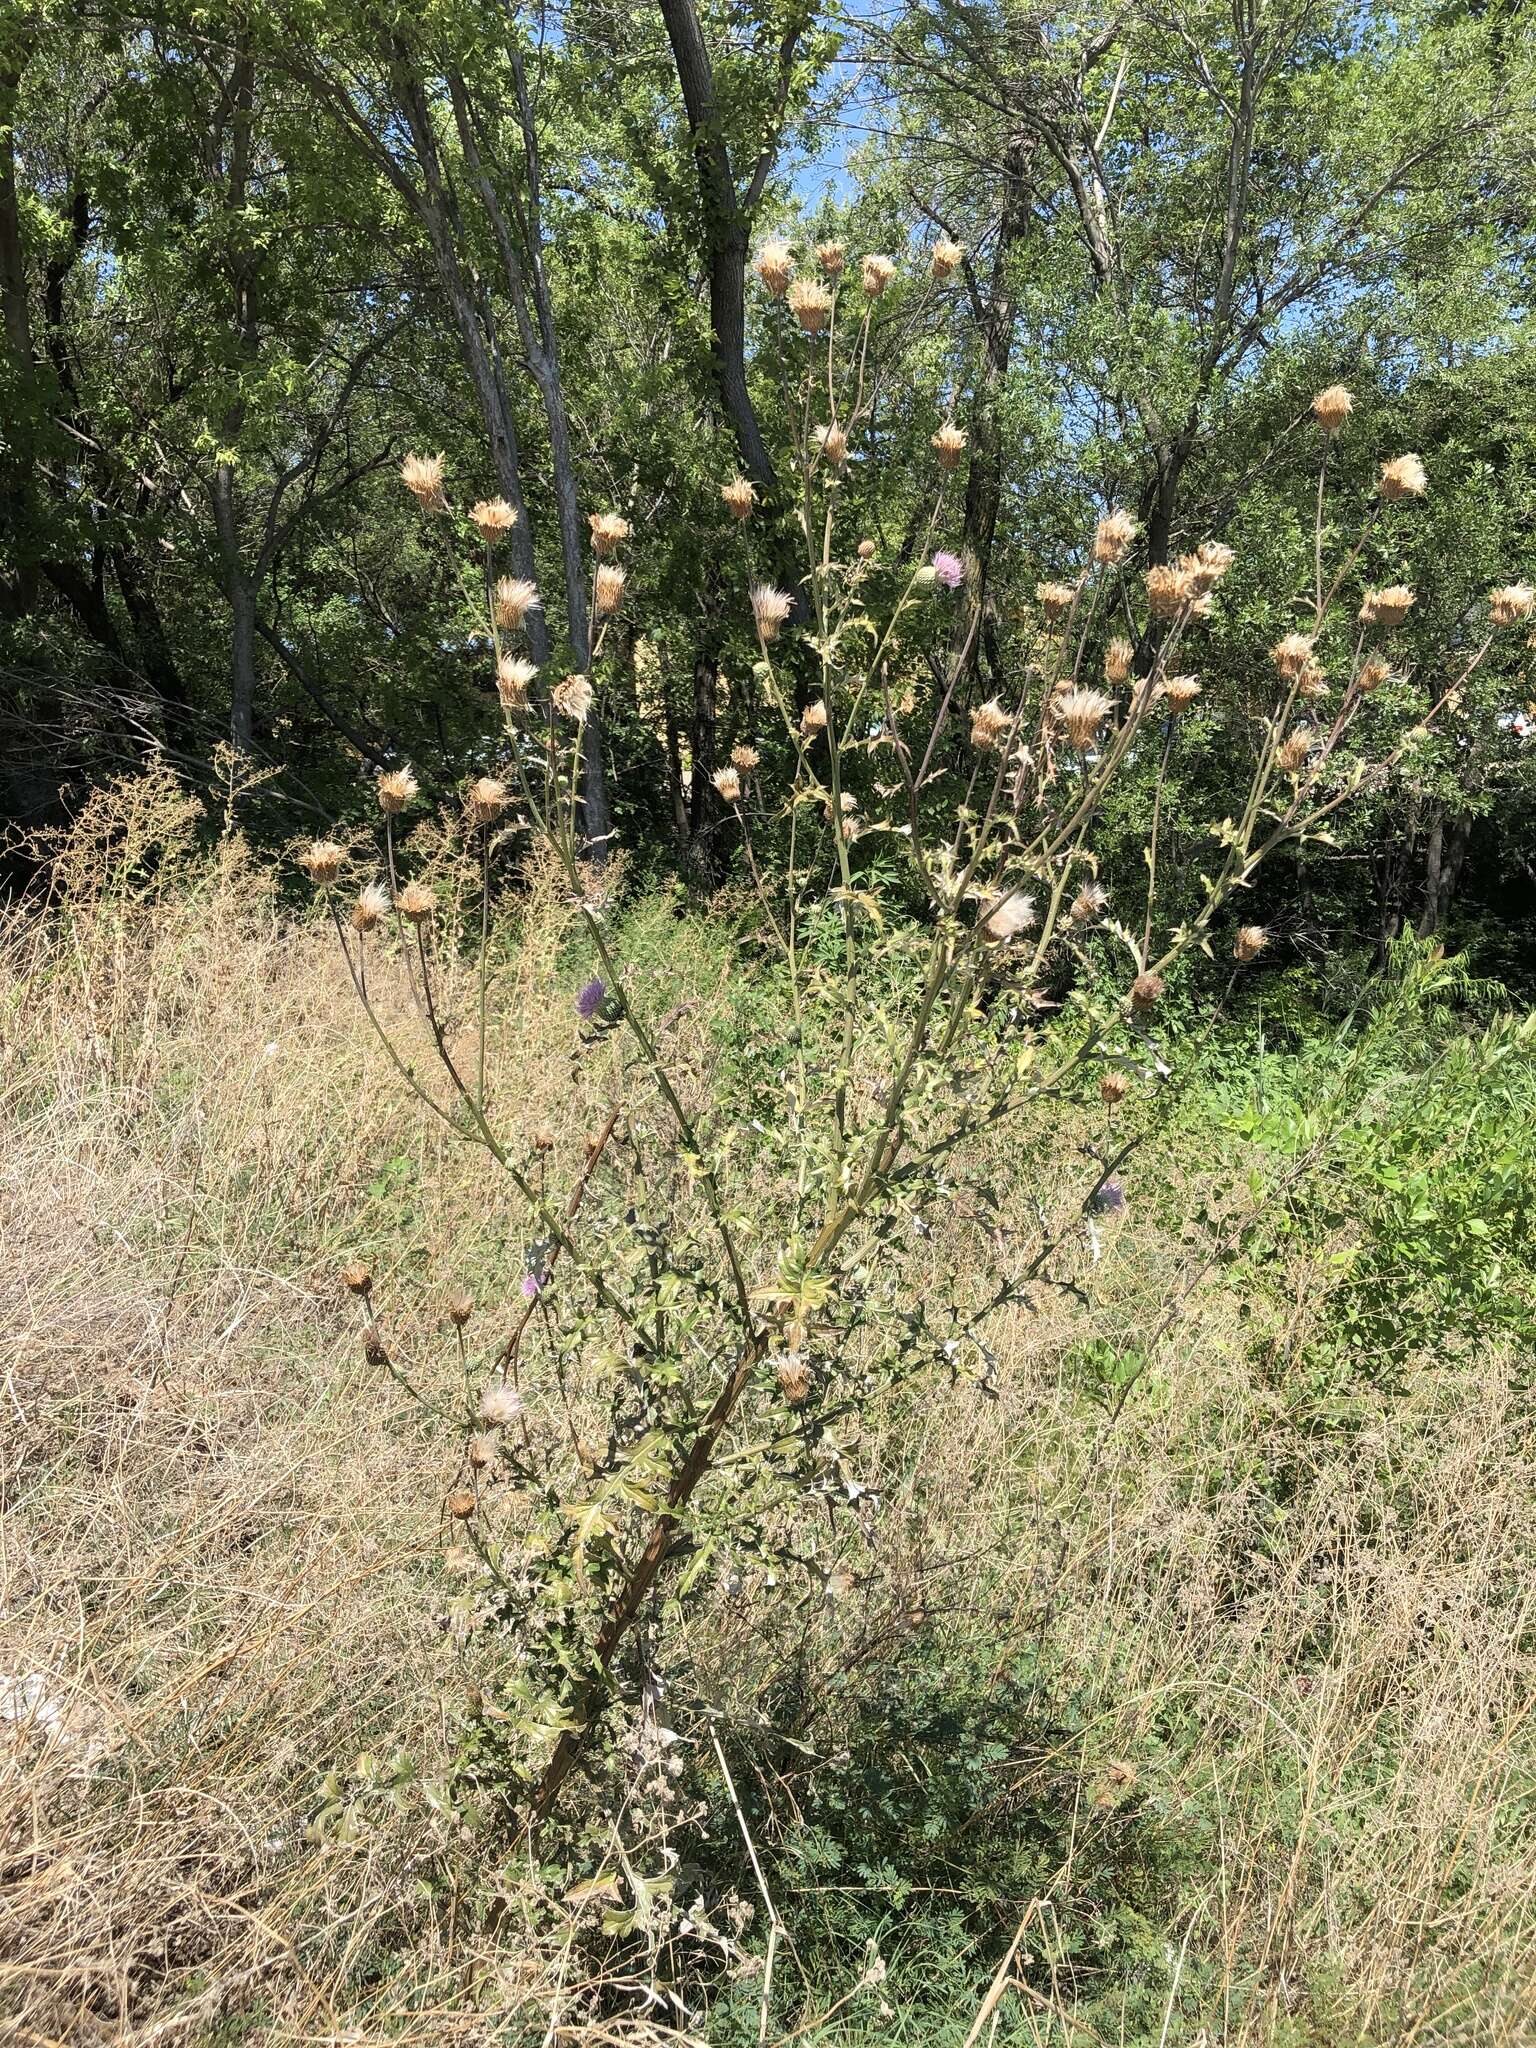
(705, 807)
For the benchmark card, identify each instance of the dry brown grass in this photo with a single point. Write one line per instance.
(220, 1574)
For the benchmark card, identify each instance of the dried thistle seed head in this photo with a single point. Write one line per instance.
(356, 1278)
(322, 861)
(945, 260)
(876, 275)
(1081, 713)
(833, 444)
(1331, 408)
(1512, 604)
(1119, 657)
(866, 551)
(1112, 538)
(813, 718)
(1113, 1087)
(770, 608)
(482, 1452)
(515, 677)
(608, 589)
(1207, 565)
(1169, 589)
(1090, 902)
(775, 266)
(461, 1306)
(486, 799)
(572, 697)
(500, 1405)
(1015, 914)
(460, 1503)
(833, 259)
(739, 497)
(397, 786)
(1250, 942)
(811, 304)
(1388, 607)
(1146, 991)
(949, 445)
(1056, 600)
(609, 531)
(1312, 683)
(373, 1346)
(1403, 477)
(1179, 692)
(728, 783)
(492, 517)
(416, 902)
(422, 476)
(543, 1139)
(794, 1381)
(372, 904)
(516, 597)
(990, 723)
(745, 759)
(1373, 673)
(1292, 654)
(1294, 749)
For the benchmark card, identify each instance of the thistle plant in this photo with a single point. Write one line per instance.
(739, 1263)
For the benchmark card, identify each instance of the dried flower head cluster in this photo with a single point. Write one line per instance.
(416, 902)
(1292, 654)
(607, 589)
(515, 598)
(397, 787)
(422, 476)
(876, 274)
(371, 907)
(1112, 538)
(990, 724)
(1331, 408)
(486, 799)
(1403, 477)
(945, 260)
(1169, 590)
(1387, 608)
(727, 784)
(515, 677)
(609, 531)
(1250, 943)
(739, 497)
(1511, 605)
(832, 444)
(832, 259)
(322, 861)
(811, 304)
(491, 518)
(1179, 692)
(572, 697)
(949, 445)
(1056, 600)
(744, 759)
(1081, 714)
(1119, 660)
(1015, 914)
(770, 608)
(775, 266)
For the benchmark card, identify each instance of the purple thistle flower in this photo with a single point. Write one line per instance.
(587, 1002)
(531, 1285)
(949, 569)
(1109, 1199)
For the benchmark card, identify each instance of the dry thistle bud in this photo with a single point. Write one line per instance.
(949, 445)
(1292, 752)
(461, 1306)
(794, 1381)
(1312, 684)
(608, 590)
(728, 783)
(813, 718)
(1179, 692)
(1113, 1087)
(515, 676)
(460, 1503)
(482, 1452)
(516, 597)
(1207, 565)
(1169, 589)
(1015, 914)
(500, 1405)
(1292, 654)
(811, 304)
(1090, 902)
(416, 902)
(1056, 600)
(322, 861)
(1112, 538)
(544, 1139)
(373, 1346)
(572, 697)
(877, 272)
(1512, 604)
(866, 551)
(739, 497)
(1387, 608)
(356, 1278)
(372, 904)
(1119, 657)
(397, 786)
(492, 516)
(1250, 943)
(745, 759)
(770, 608)
(946, 259)
(1146, 991)
(1081, 713)
(1373, 674)
(833, 444)
(422, 476)
(775, 266)
(609, 530)
(833, 259)
(486, 799)
(1331, 408)
(989, 724)
(1403, 477)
